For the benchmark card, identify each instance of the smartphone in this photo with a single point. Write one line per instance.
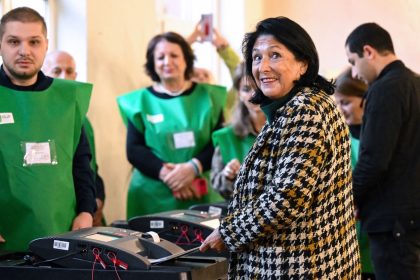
(207, 27)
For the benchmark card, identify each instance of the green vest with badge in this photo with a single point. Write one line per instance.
(39, 134)
(231, 145)
(175, 130)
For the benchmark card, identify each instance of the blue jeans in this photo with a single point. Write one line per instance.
(396, 255)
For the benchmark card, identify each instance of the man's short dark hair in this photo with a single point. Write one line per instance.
(22, 14)
(369, 34)
(174, 38)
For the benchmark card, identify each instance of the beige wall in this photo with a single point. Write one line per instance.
(329, 22)
(118, 32)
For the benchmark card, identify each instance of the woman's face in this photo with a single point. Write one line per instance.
(169, 61)
(350, 107)
(274, 67)
(245, 93)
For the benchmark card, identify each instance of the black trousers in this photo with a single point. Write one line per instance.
(396, 255)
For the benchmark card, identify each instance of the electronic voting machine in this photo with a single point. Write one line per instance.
(109, 253)
(107, 246)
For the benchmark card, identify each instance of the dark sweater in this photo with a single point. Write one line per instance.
(386, 180)
(82, 173)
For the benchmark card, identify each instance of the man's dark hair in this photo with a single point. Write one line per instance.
(369, 34)
(174, 38)
(22, 14)
(297, 41)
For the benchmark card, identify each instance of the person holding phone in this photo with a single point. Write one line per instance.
(169, 127)
(225, 52)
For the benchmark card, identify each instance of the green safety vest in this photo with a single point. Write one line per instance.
(159, 120)
(231, 145)
(39, 199)
(365, 259)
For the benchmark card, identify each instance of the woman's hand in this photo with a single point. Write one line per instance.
(166, 168)
(187, 193)
(181, 176)
(2, 240)
(196, 35)
(231, 169)
(213, 241)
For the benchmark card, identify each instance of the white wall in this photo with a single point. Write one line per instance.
(71, 32)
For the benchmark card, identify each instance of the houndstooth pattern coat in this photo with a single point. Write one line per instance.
(291, 215)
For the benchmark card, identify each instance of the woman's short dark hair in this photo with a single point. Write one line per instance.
(346, 85)
(174, 38)
(297, 41)
(369, 34)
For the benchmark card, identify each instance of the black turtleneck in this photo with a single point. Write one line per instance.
(355, 130)
(82, 173)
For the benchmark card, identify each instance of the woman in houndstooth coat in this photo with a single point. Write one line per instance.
(291, 214)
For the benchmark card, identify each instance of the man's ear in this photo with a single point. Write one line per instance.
(369, 52)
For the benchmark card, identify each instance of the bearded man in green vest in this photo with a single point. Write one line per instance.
(46, 182)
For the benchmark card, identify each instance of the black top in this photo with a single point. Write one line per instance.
(82, 173)
(355, 130)
(386, 179)
(142, 158)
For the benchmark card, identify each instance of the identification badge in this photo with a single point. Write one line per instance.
(155, 118)
(39, 153)
(184, 140)
(6, 118)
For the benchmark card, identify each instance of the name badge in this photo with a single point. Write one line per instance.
(184, 140)
(39, 153)
(6, 118)
(155, 118)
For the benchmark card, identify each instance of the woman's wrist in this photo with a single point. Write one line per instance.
(196, 164)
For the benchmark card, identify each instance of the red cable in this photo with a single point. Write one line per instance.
(115, 261)
(93, 269)
(184, 233)
(198, 236)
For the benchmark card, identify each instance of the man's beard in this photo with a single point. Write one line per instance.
(22, 75)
